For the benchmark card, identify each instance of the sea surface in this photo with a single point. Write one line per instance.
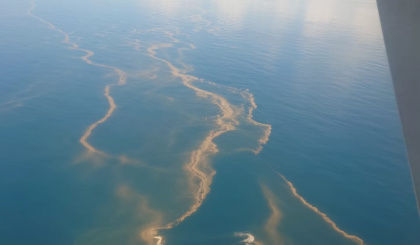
(198, 122)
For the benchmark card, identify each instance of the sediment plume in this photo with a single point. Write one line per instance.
(333, 225)
(271, 226)
(143, 210)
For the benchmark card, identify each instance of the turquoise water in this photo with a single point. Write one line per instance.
(199, 122)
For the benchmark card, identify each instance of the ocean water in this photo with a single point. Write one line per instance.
(199, 122)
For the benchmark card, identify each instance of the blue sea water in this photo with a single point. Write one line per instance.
(319, 75)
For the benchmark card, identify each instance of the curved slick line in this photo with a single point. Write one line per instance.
(88, 132)
(86, 58)
(247, 96)
(267, 127)
(198, 165)
(354, 238)
(250, 114)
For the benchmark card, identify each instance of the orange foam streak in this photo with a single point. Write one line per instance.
(86, 58)
(267, 127)
(354, 238)
(88, 132)
(198, 165)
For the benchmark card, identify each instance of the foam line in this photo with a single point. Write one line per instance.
(88, 132)
(199, 164)
(354, 238)
(250, 114)
(267, 127)
(247, 96)
(107, 93)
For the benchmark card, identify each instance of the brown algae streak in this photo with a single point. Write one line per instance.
(199, 167)
(267, 127)
(122, 77)
(333, 225)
